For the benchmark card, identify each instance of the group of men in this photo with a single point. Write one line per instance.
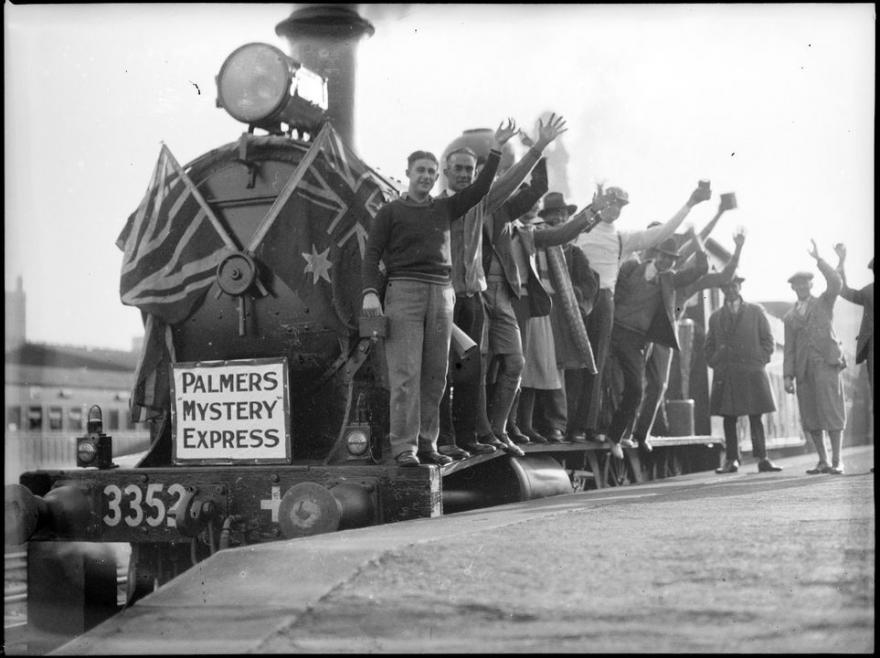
(553, 295)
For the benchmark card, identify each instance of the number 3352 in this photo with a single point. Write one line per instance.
(133, 505)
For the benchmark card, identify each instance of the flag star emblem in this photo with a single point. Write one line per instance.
(318, 264)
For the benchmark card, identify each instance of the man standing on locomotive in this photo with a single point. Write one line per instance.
(469, 281)
(813, 360)
(738, 347)
(411, 236)
(659, 357)
(606, 248)
(644, 311)
(515, 291)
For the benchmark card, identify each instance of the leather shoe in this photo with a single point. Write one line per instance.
(407, 459)
(628, 443)
(836, 470)
(555, 436)
(431, 457)
(453, 451)
(819, 469)
(510, 446)
(645, 444)
(534, 436)
(517, 436)
(477, 448)
(578, 437)
(729, 467)
(491, 440)
(766, 466)
(616, 450)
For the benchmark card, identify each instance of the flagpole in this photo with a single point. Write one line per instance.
(289, 188)
(221, 231)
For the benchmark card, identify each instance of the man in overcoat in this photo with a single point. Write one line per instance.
(739, 344)
(814, 360)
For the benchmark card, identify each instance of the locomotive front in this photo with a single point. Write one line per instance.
(264, 398)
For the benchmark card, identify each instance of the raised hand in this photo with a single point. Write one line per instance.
(554, 127)
(699, 195)
(840, 249)
(504, 133)
(739, 237)
(813, 250)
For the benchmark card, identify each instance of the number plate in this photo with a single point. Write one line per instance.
(142, 507)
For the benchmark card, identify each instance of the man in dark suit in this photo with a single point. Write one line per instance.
(864, 298)
(644, 311)
(739, 344)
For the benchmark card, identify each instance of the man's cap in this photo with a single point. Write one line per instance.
(801, 276)
(555, 201)
(618, 193)
(669, 247)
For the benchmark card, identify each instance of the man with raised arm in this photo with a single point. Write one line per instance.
(468, 403)
(606, 248)
(864, 297)
(813, 361)
(659, 357)
(411, 236)
(644, 312)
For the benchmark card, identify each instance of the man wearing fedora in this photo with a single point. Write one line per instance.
(738, 347)
(659, 360)
(606, 248)
(813, 361)
(548, 345)
(644, 311)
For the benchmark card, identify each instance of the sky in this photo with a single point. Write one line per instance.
(775, 103)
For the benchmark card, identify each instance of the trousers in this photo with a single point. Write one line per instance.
(417, 352)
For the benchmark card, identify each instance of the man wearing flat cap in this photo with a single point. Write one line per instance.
(813, 361)
(738, 348)
(644, 311)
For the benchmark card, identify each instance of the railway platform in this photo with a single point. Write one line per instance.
(745, 562)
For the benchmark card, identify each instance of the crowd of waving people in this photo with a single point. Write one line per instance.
(553, 294)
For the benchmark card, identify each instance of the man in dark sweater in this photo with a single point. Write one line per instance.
(411, 236)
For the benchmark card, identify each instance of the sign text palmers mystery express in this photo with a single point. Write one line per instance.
(231, 411)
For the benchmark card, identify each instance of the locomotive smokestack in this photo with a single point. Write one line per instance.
(324, 38)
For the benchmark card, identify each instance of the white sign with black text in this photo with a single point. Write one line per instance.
(230, 412)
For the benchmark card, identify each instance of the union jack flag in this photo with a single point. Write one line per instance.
(172, 244)
(314, 235)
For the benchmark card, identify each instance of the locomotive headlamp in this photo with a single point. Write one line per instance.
(261, 86)
(357, 441)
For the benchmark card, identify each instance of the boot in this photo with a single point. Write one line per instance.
(503, 394)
